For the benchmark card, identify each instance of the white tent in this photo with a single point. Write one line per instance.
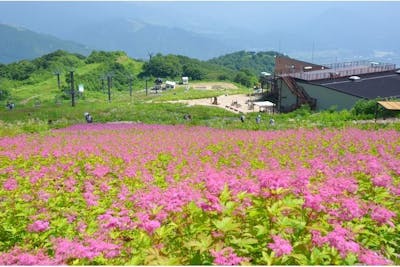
(170, 84)
(265, 106)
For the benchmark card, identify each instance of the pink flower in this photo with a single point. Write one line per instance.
(151, 225)
(317, 239)
(382, 180)
(70, 217)
(217, 234)
(280, 246)
(43, 195)
(351, 209)
(226, 256)
(68, 249)
(100, 171)
(370, 257)
(39, 226)
(17, 256)
(340, 238)
(382, 215)
(81, 227)
(70, 184)
(314, 202)
(104, 187)
(10, 184)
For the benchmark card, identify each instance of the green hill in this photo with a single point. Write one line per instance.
(27, 80)
(176, 66)
(254, 62)
(18, 44)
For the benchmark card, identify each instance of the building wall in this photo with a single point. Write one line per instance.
(326, 98)
(287, 98)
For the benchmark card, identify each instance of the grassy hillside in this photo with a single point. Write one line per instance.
(40, 105)
(32, 86)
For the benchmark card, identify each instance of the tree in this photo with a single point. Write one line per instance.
(4, 94)
(244, 77)
(192, 71)
(163, 66)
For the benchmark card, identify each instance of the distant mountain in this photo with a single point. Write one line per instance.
(138, 39)
(20, 43)
(255, 62)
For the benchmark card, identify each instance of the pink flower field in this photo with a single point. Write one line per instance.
(138, 194)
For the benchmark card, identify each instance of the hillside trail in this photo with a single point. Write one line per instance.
(380, 121)
(23, 102)
(239, 103)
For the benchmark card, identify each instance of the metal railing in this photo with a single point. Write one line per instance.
(331, 73)
(345, 69)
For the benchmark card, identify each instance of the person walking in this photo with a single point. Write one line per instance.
(258, 119)
(242, 118)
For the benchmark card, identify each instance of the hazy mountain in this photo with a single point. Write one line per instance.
(138, 39)
(18, 43)
(320, 31)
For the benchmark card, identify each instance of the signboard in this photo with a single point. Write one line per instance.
(80, 88)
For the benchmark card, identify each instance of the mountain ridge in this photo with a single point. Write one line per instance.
(18, 43)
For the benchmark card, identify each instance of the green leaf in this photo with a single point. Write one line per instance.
(268, 259)
(261, 230)
(244, 242)
(226, 225)
(351, 259)
(300, 259)
(202, 244)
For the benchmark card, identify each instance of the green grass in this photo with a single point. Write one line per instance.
(152, 109)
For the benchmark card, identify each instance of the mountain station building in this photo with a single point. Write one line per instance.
(338, 85)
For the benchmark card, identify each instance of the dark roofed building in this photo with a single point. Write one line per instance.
(374, 85)
(340, 85)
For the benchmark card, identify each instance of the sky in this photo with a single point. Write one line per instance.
(309, 24)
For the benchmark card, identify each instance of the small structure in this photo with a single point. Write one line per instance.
(265, 106)
(157, 84)
(389, 105)
(170, 85)
(185, 80)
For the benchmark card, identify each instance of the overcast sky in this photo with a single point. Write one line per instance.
(49, 17)
(294, 26)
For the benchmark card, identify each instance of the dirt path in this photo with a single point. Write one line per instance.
(28, 99)
(233, 103)
(380, 121)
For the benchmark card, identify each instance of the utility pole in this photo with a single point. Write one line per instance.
(109, 84)
(146, 85)
(130, 86)
(102, 84)
(57, 73)
(72, 88)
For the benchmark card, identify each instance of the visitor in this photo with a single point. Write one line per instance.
(242, 117)
(10, 105)
(88, 117)
(272, 122)
(258, 119)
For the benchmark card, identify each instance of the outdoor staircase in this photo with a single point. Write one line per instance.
(302, 96)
